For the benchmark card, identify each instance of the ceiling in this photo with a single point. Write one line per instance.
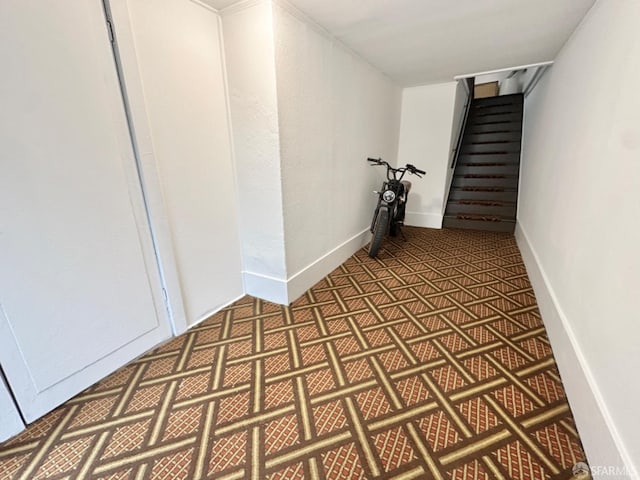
(419, 42)
(220, 4)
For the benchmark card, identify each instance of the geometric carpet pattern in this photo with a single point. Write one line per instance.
(430, 361)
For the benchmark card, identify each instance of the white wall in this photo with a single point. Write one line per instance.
(306, 113)
(335, 110)
(428, 133)
(249, 52)
(180, 64)
(579, 224)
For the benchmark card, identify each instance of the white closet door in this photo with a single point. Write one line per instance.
(10, 421)
(79, 289)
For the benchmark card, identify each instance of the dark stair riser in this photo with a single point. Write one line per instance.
(509, 195)
(516, 98)
(497, 127)
(492, 137)
(508, 182)
(505, 226)
(510, 169)
(502, 117)
(479, 112)
(506, 210)
(466, 158)
(501, 147)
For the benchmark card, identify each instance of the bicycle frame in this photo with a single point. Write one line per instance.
(392, 198)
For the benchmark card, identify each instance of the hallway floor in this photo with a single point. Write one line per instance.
(428, 362)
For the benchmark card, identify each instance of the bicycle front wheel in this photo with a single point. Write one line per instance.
(379, 230)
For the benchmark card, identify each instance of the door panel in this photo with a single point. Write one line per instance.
(78, 280)
(10, 421)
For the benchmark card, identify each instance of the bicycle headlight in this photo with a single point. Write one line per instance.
(388, 196)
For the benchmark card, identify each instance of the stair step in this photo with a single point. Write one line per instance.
(478, 106)
(481, 207)
(484, 190)
(498, 117)
(495, 109)
(492, 137)
(492, 226)
(506, 181)
(488, 169)
(500, 100)
(495, 147)
(465, 158)
(497, 127)
(489, 194)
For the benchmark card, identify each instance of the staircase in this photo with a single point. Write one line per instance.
(484, 191)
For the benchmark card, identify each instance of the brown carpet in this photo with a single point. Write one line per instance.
(428, 362)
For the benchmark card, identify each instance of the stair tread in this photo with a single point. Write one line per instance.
(486, 203)
(488, 169)
(496, 109)
(493, 137)
(491, 148)
(487, 164)
(485, 175)
(461, 181)
(481, 217)
(497, 194)
(510, 118)
(477, 141)
(488, 157)
(484, 189)
(479, 108)
(498, 127)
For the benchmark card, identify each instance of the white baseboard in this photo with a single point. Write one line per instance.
(602, 444)
(265, 287)
(284, 292)
(427, 220)
(314, 272)
(214, 311)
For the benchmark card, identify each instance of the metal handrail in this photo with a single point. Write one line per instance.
(469, 84)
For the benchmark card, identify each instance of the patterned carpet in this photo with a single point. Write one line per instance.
(428, 362)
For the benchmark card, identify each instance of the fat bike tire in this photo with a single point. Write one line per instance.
(394, 229)
(398, 221)
(379, 231)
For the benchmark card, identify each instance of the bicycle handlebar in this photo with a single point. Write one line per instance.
(408, 168)
(415, 170)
